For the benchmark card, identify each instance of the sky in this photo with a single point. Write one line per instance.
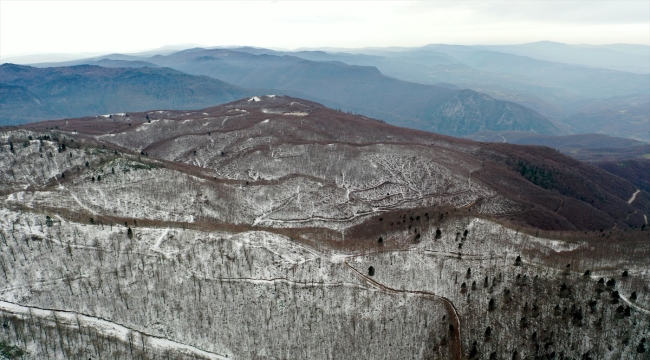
(38, 27)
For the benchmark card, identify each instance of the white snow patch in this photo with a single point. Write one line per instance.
(296, 113)
(255, 99)
(116, 114)
(265, 121)
(338, 258)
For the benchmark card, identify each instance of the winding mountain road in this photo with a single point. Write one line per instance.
(456, 339)
(633, 196)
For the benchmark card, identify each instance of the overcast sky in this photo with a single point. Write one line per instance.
(32, 27)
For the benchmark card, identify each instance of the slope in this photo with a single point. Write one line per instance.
(38, 94)
(277, 141)
(273, 227)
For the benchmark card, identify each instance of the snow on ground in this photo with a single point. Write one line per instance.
(107, 328)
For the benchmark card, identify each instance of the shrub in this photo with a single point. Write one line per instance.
(518, 261)
(564, 291)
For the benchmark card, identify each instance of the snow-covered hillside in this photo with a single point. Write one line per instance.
(247, 231)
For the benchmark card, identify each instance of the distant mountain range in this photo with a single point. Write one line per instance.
(363, 89)
(41, 93)
(455, 90)
(603, 89)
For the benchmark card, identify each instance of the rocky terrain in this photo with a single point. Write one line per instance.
(274, 227)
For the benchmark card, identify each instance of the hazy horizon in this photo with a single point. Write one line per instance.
(128, 27)
(34, 58)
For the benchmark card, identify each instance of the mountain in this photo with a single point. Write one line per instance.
(627, 116)
(627, 158)
(233, 141)
(566, 142)
(482, 66)
(574, 79)
(623, 57)
(359, 89)
(32, 94)
(635, 170)
(362, 89)
(274, 227)
(66, 59)
(562, 90)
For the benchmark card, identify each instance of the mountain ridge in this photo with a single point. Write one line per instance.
(304, 122)
(90, 89)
